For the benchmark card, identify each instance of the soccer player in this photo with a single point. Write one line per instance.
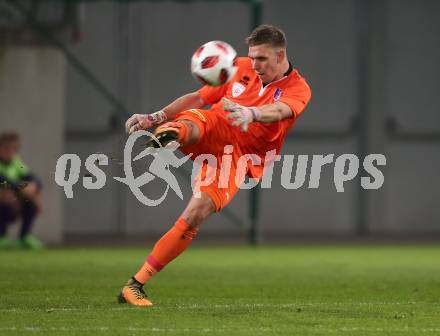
(19, 194)
(250, 114)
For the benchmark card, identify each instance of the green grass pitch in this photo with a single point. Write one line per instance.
(225, 291)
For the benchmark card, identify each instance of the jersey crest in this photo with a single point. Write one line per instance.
(237, 89)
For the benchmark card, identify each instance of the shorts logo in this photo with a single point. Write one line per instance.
(237, 89)
(198, 114)
(277, 94)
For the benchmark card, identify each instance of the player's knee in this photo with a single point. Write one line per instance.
(8, 198)
(198, 210)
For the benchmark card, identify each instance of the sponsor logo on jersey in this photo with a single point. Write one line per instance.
(245, 80)
(277, 94)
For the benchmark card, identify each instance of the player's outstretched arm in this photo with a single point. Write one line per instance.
(274, 112)
(144, 121)
(242, 116)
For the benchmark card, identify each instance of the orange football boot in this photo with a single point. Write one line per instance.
(168, 132)
(133, 293)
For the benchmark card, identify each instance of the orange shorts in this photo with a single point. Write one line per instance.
(219, 152)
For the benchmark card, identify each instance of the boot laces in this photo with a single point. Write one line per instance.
(138, 292)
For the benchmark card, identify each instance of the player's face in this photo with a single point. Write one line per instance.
(266, 61)
(7, 152)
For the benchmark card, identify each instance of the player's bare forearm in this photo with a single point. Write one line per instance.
(144, 121)
(242, 115)
(189, 101)
(271, 113)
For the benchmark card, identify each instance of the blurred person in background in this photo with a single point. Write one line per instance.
(20, 194)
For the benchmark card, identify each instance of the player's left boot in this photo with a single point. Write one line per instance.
(166, 133)
(30, 242)
(133, 293)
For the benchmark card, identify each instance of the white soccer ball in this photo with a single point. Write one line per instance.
(214, 63)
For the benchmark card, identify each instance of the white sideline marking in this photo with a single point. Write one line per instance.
(225, 330)
(223, 306)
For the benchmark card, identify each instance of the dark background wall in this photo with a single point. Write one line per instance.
(366, 63)
(373, 68)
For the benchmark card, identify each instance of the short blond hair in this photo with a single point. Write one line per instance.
(267, 34)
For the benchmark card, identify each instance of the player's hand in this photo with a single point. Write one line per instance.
(139, 122)
(32, 193)
(241, 115)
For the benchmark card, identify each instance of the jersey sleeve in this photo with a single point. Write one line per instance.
(297, 97)
(212, 94)
(11, 174)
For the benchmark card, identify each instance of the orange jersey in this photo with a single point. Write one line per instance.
(246, 89)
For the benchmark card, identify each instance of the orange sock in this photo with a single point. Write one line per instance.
(172, 243)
